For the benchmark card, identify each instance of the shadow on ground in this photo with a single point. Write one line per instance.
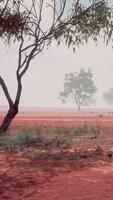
(21, 178)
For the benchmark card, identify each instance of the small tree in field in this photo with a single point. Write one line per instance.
(79, 87)
(28, 23)
(108, 97)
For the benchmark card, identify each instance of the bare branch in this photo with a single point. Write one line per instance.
(28, 47)
(29, 60)
(39, 20)
(54, 11)
(77, 3)
(4, 87)
(39, 50)
(29, 10)
(34, 6)
(20, 54)
(61, 12)
(5, 7)
(24, 61)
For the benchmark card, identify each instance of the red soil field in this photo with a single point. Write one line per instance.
(86, 179)
(62, 119)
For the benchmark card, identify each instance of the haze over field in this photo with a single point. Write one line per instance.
(45, 77)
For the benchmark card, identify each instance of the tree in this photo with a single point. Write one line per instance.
(25, 23)
(108, 97)
(79, 87)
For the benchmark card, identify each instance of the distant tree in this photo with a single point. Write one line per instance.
(27, 23)
(79, 87)
(108, 97)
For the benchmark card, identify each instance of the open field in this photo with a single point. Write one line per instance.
(62, 117)
(64, 156)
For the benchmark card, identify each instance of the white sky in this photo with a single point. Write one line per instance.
(45, 77)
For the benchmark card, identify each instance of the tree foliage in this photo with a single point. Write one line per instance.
(108, 96)
(12, 20)
(74, 25)
(79, 87)
(86, 22)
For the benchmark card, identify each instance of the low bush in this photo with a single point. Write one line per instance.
(54, 137)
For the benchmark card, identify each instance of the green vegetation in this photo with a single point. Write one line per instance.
(70, 143)
(79, 87)
(42, 137)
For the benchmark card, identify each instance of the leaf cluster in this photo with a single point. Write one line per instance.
(86, 22)
(12, 22)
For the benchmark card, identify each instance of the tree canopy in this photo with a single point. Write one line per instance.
(73, 25)
(79, 87)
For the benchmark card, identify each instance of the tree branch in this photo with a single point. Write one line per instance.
(4, 87)
(5, 7)
(29, 59)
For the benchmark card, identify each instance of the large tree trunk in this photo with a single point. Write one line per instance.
(13, 107)
(13, 110)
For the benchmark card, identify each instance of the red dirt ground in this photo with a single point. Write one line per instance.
(102, 120)
(23, 179)
(86, 179)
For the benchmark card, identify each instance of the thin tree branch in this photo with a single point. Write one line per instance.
(61, 13)
(29, 59)
(20, 54)
(5, 7)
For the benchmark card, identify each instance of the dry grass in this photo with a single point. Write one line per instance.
(47, 142)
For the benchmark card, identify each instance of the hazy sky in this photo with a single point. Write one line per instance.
(45, 77)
